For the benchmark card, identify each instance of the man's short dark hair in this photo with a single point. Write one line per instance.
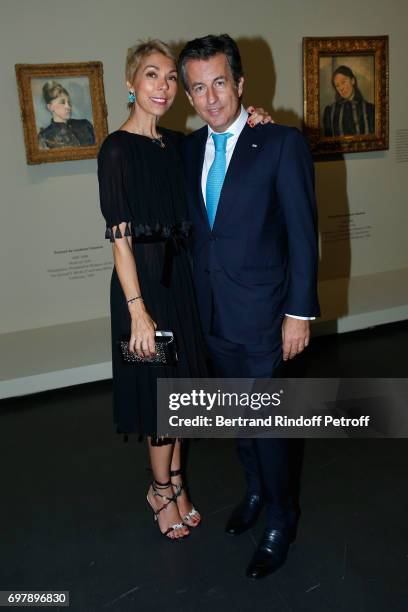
(208, 46)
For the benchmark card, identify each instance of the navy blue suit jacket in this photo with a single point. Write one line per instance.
(260, 259)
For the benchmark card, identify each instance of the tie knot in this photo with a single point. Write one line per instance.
(220, 140)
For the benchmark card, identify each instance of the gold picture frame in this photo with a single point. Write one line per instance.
(63, 110)
(345, 93)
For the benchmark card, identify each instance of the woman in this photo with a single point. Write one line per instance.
(143, 201)
(63, 131)
(350, 114)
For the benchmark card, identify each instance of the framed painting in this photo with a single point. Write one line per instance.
(345, 93)
(63, 110)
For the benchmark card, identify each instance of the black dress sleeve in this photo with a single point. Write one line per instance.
(112, 194)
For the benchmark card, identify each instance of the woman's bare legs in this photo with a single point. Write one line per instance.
(160, 459)
(184, 504)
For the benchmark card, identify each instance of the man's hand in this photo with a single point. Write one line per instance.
(295, 337)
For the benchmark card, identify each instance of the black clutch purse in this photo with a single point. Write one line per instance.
(166, 351)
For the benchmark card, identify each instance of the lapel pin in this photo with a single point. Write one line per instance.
(254, 146)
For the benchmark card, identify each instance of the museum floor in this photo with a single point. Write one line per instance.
(74, 517)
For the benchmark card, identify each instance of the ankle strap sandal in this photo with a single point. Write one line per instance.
(178, 488)
(156, 488)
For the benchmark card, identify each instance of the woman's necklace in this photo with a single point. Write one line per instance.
(158, 141)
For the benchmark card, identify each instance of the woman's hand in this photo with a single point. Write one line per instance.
(142, 340)
(258, 115)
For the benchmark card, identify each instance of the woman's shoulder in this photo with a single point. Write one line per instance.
(113, 145)
(79, 122)
(49, 129)
(328, 109)
(114, 139)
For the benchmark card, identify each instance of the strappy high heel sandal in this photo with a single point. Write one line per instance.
(156, 487)
(192, 518)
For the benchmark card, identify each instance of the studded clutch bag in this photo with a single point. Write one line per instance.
(166, 351)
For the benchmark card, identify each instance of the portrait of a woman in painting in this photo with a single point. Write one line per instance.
(350, 114)
(63, 131)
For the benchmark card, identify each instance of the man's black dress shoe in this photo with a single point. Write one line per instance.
(245, 515)
(270, 555)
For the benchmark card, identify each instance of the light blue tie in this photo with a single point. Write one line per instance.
(216, 175)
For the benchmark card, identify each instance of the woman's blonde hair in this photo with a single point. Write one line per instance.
(136, 53)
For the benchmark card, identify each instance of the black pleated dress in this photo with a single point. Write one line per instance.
(142, 184)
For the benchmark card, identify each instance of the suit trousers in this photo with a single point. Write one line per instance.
(265, 460)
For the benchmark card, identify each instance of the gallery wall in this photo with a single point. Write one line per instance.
(54, 262)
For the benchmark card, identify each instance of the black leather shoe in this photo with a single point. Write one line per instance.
(292, 519)
(270, 555)
(245, 515)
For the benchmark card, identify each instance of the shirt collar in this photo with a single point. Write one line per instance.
(235, 128)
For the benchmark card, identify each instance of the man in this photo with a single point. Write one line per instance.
(252, 206)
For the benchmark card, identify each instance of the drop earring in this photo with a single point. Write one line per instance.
(131, 97)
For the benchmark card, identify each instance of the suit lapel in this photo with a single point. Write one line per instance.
(244, 155)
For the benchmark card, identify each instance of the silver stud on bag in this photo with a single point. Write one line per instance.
(166, 352)
(159, 357)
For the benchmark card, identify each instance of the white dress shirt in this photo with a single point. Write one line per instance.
(235, 129)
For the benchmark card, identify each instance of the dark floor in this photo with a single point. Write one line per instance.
(73, 515)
